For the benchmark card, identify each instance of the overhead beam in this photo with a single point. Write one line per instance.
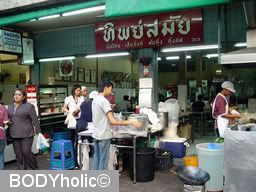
(46, 12)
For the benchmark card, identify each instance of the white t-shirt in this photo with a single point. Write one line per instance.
(72, 104)
(100, 108)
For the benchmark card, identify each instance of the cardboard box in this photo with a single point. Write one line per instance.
(184, 131)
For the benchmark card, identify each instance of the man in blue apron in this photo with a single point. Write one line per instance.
(220, 110)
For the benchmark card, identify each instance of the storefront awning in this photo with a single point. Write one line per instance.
(46, 12)
(115, 8)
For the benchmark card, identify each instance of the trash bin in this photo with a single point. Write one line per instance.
(145, 164)
(164, 160)
(211, 159)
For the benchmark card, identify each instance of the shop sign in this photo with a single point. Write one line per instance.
(31, 91)
(167, 29)
(28, 51)
(11, 41)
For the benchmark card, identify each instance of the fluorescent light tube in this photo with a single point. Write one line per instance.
(57, 59)
(87, 10)
(211, 55)
(159, 59)
(242, 44)
(107, 55)
(49, 17)
(173, 58)
(188, 57)
(190, 48)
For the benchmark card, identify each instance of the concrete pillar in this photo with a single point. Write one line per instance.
(199, 70)
(153, 73)
(182, 65)
(35, 73)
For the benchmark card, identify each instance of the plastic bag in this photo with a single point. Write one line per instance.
(41, 142)
(70, 121)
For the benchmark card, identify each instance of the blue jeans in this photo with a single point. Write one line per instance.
(2, 146)
(101, 154)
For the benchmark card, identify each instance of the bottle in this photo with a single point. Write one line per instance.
(137, 109)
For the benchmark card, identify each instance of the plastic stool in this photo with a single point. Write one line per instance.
(62, 155)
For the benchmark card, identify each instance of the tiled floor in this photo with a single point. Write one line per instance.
(163, 182)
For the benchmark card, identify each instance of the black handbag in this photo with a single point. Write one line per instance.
(9, 139)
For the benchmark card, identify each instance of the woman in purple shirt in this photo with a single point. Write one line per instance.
(3, 118)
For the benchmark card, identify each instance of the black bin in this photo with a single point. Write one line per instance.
(145, 165)
(164, 160)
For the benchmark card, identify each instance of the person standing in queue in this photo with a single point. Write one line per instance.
(3, 119)
(220, 109)
(23, 126)
(72, 107)
(85, 120)
(84, 92)
(103, 118)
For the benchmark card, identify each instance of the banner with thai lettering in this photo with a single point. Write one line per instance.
(166, 29)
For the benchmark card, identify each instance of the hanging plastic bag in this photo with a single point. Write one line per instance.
(70, 121)
(41, 142)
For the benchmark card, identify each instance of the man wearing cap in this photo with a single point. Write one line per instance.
(220, 108)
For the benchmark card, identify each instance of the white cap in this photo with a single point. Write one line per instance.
(83, 88)
(228, 85)
(93, 94)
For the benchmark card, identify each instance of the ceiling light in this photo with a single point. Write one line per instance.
(211, 55)
(49, 17)
(173, 58)
(87, 10)
(190, 48)
(57, 59)
(108, 55)
(159, 59)
(188, 57)
(242, 44)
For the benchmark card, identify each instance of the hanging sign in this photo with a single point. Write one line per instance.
(11, 41)
(166, 29)
(28, 51)
(31, 91)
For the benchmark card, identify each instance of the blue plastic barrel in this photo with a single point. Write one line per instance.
(60, 135)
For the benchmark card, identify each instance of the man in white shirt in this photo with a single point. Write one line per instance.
(103, 118)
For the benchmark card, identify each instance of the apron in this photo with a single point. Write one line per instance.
(222, 122)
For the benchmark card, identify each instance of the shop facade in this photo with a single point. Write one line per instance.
(81, 41)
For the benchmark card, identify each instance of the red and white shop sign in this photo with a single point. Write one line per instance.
(31, 91)
(166, 29)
